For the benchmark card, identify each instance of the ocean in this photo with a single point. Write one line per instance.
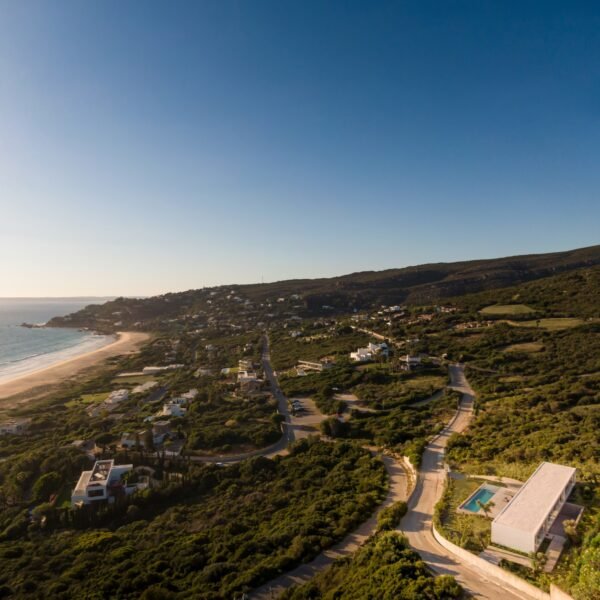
(24, 350)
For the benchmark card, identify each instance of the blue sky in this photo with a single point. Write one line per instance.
(159, 146)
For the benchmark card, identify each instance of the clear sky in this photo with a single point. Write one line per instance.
(148, 146)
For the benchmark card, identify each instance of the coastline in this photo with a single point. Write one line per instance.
(53, 374)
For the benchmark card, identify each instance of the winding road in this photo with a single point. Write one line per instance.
(417, 524)
(397, 491)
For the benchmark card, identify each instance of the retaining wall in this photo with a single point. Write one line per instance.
(499, 573)
(557, 594)
(492, 570)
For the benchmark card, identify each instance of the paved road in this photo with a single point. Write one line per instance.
(282, 406)
(397, 491)
(282, 403)
(417, 524)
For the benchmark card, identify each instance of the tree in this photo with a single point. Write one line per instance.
(570, 527)
(589, 574)
(463, 526)
(47, 484)
(538, 561)
(445, 586)
(485, 506)
(103, 440)
(149, 440)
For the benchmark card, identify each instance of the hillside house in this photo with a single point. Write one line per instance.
(170, 409)
(529, 517)
(104, 483)
(156, 370)
(369, 352)
(411, 361)
(117, 396)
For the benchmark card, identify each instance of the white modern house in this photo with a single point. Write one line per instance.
(411, 361)
(117, 396)
(369, 352)
(157, 370)
(526, 520)
(170, 409)
(190, 395)
(103, 483)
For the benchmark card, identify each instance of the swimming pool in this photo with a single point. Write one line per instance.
(483, 494)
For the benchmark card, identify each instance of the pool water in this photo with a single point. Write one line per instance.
(483, 495)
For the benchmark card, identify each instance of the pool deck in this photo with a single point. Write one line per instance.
(502, 496)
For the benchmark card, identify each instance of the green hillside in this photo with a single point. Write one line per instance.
(422, 284)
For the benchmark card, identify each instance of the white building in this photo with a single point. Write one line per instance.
(411, 361)
(368, 353)
(144, 387)
(525, 521)
(361, 355)
(170, 409)
(156, 370)
(161, 430)
(117, 396)
(103, 483)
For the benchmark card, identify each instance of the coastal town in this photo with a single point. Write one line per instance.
(228, 378)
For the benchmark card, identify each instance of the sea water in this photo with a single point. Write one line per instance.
(24, 350)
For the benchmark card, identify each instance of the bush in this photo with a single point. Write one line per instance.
(389, 518)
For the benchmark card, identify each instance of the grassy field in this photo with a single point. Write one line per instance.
(426, 382)
(552, 324)
(89, 399)
(133, 379)
(506, 309)
(525, 347)
(512, 379)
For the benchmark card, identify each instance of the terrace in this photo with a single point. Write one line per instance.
(487, 500)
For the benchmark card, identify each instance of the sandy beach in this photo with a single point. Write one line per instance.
(125, 343)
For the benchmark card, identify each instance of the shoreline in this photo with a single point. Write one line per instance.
(126, 342)
(27, 365)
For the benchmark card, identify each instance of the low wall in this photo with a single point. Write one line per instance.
(413, 476)
(557, 594)
(490, 569)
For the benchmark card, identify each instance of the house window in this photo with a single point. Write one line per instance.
(95, 493)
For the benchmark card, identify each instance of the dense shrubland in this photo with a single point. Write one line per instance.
(385, 568)
(233, 529)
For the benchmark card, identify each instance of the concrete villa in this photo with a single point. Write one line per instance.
(368, 353)
(117, 396)
(103, 483)
(172, 409)
(537, 510)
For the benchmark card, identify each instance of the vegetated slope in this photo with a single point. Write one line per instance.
(217, 534)
(428, 283)
(412, 285)
(572, 294)
(384, 568)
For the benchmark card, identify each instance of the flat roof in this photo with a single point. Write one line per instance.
(532, 504)
(82, 484)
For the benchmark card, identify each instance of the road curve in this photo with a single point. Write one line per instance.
(397, 491)
(417, 524)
